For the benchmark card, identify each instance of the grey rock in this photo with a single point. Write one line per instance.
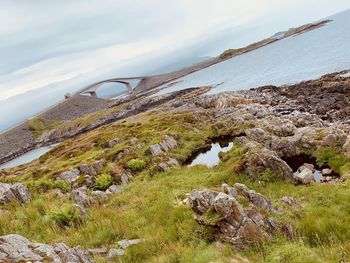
(87, 170)
(127, 243)
(163, 167)
(134, 140)
(173, 162)
(15, 248)
(327, 172)
(290, 201)
(305, 174)
(126, 176)
(114, 142)
(168, 143)
(13, 192)
(238, 225)
(113, 252)
(155, 150)
(98, 166)
(114, 189)
(99, 251)
(100, 194)
(256, 161)
(69, 176)
(80, 197)
(307, 166)
(21, 192)
(82, 211)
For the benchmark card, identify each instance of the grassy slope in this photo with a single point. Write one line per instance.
(148, 207)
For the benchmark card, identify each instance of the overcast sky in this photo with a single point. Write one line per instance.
(46, 42)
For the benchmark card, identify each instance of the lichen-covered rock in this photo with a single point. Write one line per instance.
(168, 143)
(81, 197)
(114, 142)
(15, 248)
(155, 150)
(69, 176)
(230, 220)
(164, 146)
(87, 170)
(13, 192)
(256, 161)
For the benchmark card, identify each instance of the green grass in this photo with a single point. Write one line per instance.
(149, 206)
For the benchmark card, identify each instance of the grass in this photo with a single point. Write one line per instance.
(148, 206)
(38, 126)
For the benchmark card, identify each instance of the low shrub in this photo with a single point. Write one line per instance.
(270, 177)
(333, 158)
(65, 216)
(136, 165)
(103, 181)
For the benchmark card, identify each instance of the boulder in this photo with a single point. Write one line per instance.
(80, 197)
(69, 176)
(15, 248)
(327, 172)
(155, 150)
(113, 189)
(87, 169)
(168, 143)
(125, 177)
(163, 167)
(13, 192)
(240, 225)
(305, 174)
(127, 243)
(164, 146)
(114, 142)
(256, 161)
(113, 252)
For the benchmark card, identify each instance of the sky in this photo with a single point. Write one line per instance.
(61, 45)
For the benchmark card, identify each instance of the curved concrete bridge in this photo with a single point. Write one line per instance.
(128, 82)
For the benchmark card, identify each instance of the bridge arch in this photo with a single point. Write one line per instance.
(128, 82)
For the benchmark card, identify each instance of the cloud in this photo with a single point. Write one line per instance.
(44, 42)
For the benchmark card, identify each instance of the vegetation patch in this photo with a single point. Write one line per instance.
(103, 182)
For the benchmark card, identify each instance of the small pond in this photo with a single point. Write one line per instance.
(27, 157)
(210, 158)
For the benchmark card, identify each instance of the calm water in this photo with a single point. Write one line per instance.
(27, 157)
(291, 60)
(211, 157)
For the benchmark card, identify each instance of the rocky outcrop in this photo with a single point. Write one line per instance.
(237, 215)
(13, 193)
(69, 176)
(164, 146)
(15, 248)
(256, 161)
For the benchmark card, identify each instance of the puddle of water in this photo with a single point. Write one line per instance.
(211, 158)
(318, 176)
(27, 157)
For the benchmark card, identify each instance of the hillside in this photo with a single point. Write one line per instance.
(255, 170)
